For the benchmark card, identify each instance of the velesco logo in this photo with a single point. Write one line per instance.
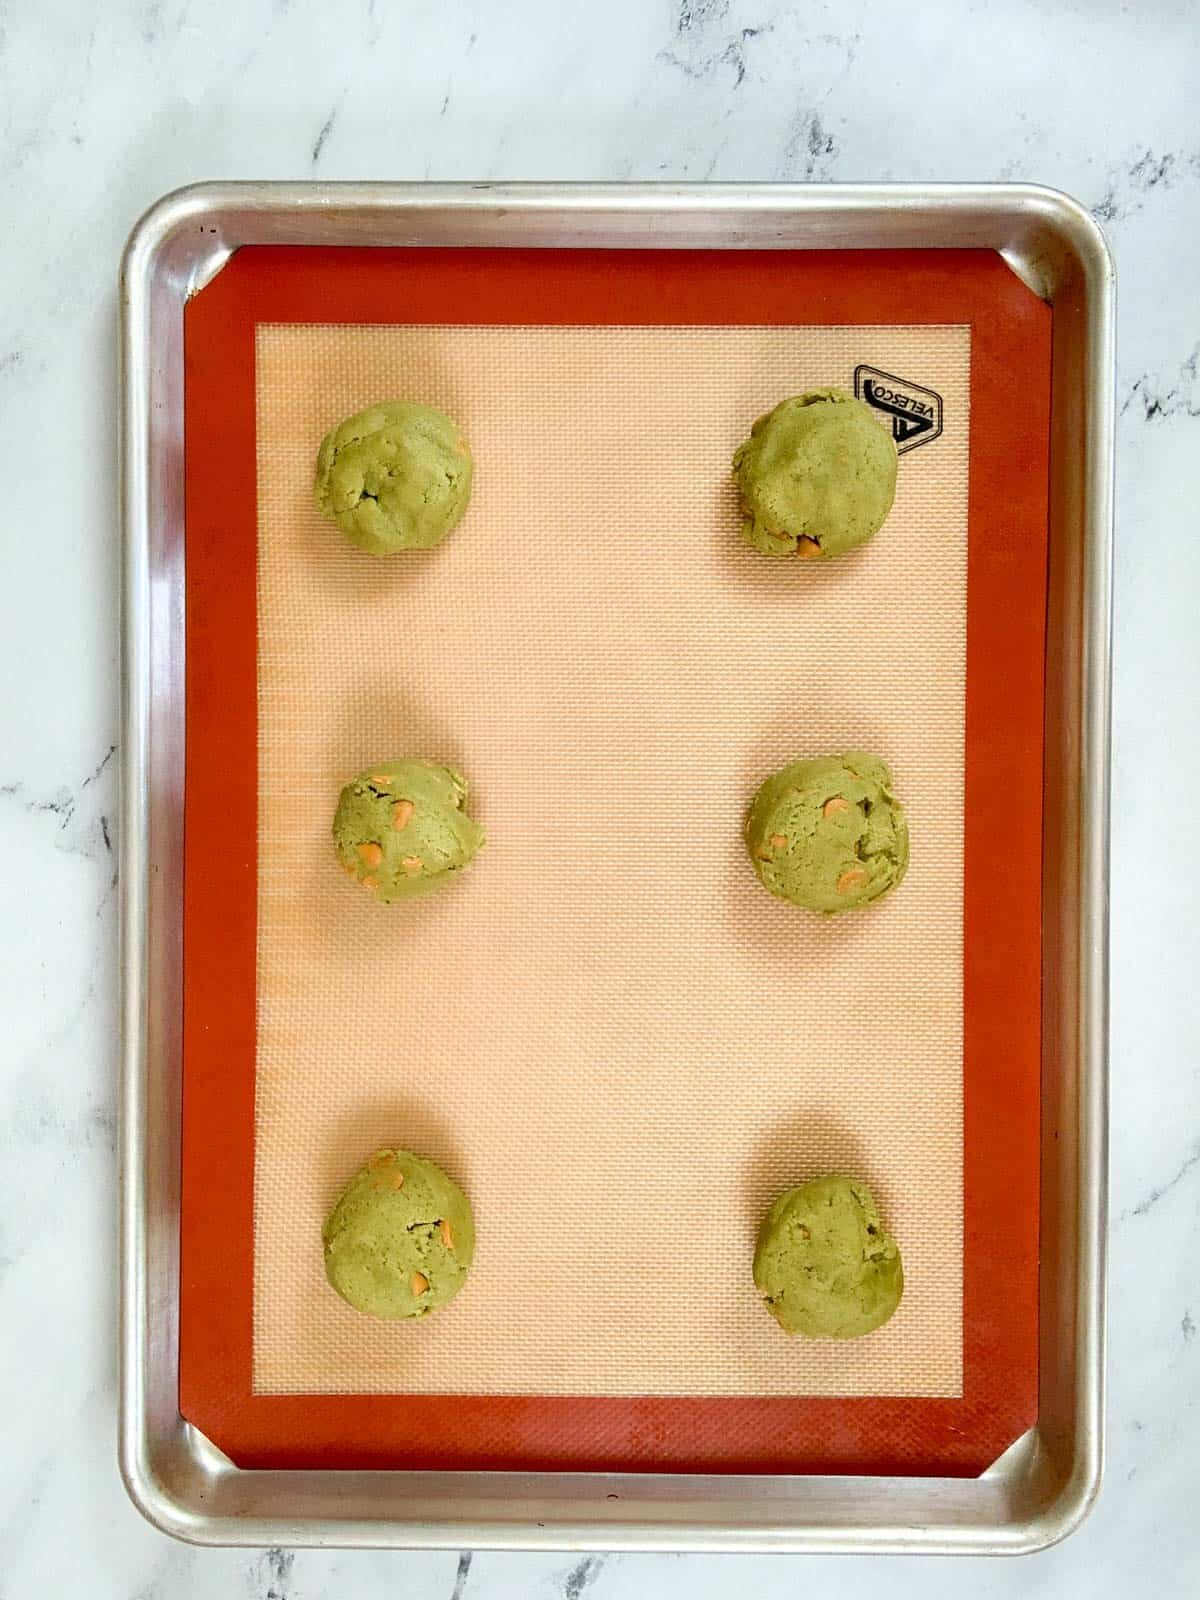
(915, 413)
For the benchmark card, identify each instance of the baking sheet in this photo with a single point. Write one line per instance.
(608, 1031)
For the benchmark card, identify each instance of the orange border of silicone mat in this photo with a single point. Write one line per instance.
(1010, 389)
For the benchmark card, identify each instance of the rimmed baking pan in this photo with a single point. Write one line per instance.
(597, 286)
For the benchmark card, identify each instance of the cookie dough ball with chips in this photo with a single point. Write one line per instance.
(400, 828)
(824, 1264)
(817, 476)
(401, 1238)
(394, 477)
(828, 834)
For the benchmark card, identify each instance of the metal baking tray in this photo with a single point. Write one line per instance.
(1044, 1485)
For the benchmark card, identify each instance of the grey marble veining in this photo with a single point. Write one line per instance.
(103, 109)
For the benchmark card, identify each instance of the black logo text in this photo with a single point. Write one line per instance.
(915, 413)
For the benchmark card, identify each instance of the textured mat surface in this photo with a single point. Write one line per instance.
(607, 1031)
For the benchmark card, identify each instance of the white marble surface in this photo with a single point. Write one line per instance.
(104, 108)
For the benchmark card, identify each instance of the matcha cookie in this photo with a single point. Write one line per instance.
(400, 828)
(401, 1238)
(824, 1263)
(828, 834)
(817, 476)
(394, 477)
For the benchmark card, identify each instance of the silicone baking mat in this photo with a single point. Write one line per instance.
(617, 1041)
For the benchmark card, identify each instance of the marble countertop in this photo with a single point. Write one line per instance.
(102, 110)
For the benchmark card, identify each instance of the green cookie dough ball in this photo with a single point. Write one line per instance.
(828, 834)
(824, 1263)
(401, 1239)
(817, 476)
(394, 477)
(400, 828)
